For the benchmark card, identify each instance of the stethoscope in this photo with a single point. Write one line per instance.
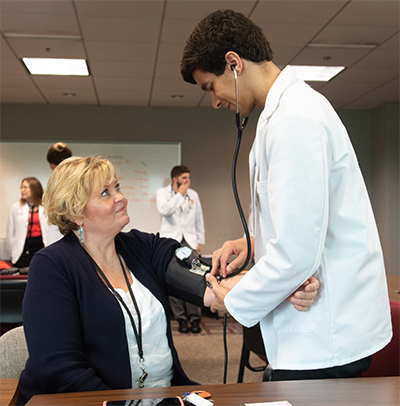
(240, 125)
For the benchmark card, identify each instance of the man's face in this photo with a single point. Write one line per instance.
(184, 178)
(222, 91)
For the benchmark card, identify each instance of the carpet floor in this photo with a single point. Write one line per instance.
(202, 355)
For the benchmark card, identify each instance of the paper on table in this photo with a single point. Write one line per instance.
(282, 403)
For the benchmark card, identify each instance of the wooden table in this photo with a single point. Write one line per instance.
(382, 391)
(7, 390)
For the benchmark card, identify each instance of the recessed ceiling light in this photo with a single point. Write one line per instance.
(177, 96)
(56, 66)
(317, 73)
(342, 46)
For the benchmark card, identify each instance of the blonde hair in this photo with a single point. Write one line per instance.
(70, 187)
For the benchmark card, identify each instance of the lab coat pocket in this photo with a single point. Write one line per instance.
(287, 319)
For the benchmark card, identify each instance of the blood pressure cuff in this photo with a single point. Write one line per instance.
(187, 281)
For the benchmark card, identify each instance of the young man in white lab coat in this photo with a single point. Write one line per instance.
(311, 212)
(182, 219)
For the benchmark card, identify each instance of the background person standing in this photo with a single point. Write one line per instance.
(55, 155)
(27, 224)
(182, 219)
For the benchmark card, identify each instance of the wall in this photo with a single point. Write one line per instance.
(385, 180)
(208, 139)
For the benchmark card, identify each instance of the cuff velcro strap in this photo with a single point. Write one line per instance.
(185, 283)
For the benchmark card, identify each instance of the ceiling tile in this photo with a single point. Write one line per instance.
(165, 99)
(63, 83)
(177, 31)
(113, 97)
(377, 75)
(354, 34)
(296, 12)
(121, 51)
(329, 57)
(83, 96)
(21, 95)
(370, 13)
(124, 84)
(118, 69)
(380, 58)
(13, 67)
(47, 48)
(169, 52)
(42, 24)
(120, 29)
(385, 93)
(392, 43)
(64, 7)
(117, 8)
(168, 70)
(6, 51)
(289, 35)
(196, 10)
(21, 81)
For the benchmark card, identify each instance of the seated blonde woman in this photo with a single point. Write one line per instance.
(96, 311)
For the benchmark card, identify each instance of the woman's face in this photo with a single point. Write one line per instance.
(26, 192)
(106, 211)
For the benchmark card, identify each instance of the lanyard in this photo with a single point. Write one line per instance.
(30, 226)
(137, 330)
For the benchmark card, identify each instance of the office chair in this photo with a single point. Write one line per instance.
(386, 362)
(13, 353)
(253, 342)
(12, 290)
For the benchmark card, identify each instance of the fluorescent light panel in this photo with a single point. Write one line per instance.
(56, 66)
(317, 73)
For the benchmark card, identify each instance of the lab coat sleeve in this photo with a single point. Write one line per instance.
(167, 202)
(200, 232)
(292, 203)
(11, 228)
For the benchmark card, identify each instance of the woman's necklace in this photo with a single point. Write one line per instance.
(137, 330)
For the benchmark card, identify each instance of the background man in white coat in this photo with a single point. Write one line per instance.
(182, 219)
(311, 212)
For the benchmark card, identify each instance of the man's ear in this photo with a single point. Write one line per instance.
(233, 62)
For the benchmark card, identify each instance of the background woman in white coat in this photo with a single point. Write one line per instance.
(27, 224)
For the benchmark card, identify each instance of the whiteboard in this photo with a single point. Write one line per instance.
(141, 168)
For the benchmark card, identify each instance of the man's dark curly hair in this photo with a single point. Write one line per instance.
(218, 33)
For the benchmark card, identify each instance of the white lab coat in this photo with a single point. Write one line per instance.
(17, 229)
(181, 216)
(312, 216)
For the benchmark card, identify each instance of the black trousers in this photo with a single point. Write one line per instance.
(32, 245)
(352, 370)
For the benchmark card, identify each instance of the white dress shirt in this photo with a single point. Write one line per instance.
(181, 216)
(311, 216)
(156, 352)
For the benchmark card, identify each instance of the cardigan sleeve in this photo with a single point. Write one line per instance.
(54, 333)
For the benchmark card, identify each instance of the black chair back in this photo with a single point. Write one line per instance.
(12, 290)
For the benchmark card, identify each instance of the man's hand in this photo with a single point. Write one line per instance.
(221, 256)
(304, 296)
(181, 188)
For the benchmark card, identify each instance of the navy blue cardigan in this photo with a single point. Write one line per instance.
(74, 326)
